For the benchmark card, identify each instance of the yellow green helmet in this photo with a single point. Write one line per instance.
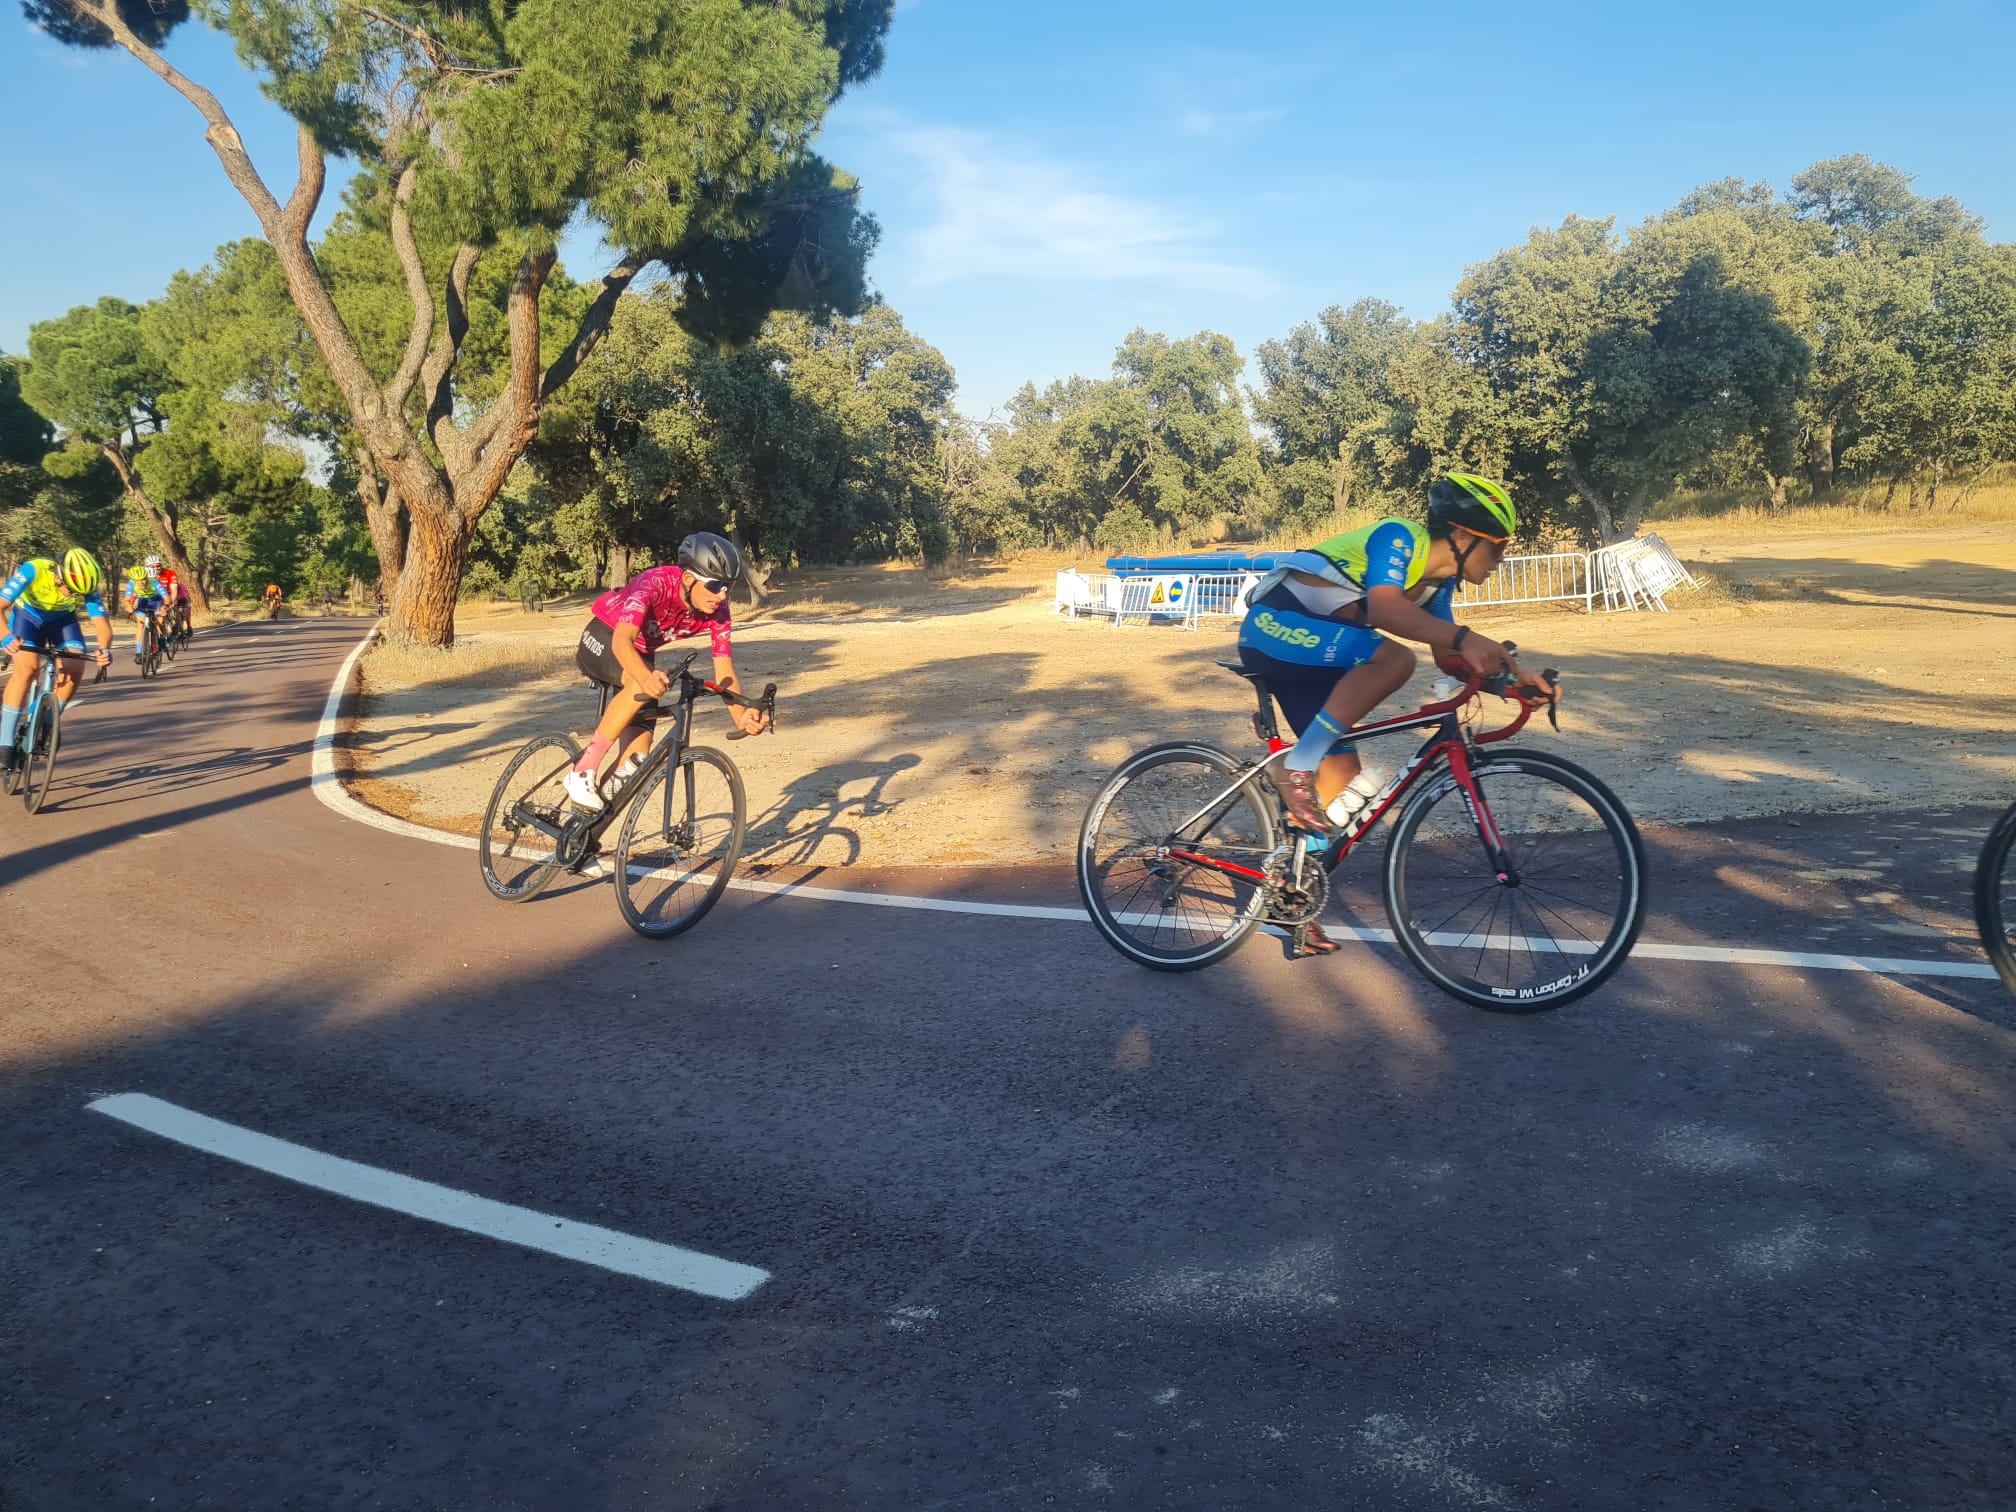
(1476, 504)
(80, 572)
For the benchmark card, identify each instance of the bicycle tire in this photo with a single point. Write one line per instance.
(518, 877)
(150, 655)
(644, 856)
(1565, 921)
(11, 778)
(1991, 883)
(1169, 794)
(39, 766)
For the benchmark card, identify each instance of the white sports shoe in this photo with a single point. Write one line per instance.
(591, 867)
(581, 788)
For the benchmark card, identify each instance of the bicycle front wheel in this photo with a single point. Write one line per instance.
(39, 769)
(1995, 898)
(518, 849)
(1561, 916)
(679, 843)
(1158, 851)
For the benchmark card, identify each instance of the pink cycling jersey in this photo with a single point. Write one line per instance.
(654, 602)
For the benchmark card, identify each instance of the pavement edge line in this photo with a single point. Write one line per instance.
(327, 784)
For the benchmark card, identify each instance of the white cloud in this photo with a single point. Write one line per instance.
(993, 211)
(1225, 123)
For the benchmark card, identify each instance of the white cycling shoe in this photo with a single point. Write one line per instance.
(580, 787)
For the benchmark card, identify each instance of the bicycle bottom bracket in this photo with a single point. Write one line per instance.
(574, 842)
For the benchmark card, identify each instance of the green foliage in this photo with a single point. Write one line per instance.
(1850, 323)
(815, 441)
(94, 373)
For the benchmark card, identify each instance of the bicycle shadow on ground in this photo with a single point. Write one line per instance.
(801, 826)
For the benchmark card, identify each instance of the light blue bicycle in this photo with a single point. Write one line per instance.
(36, 739)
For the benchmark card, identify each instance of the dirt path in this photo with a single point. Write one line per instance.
(952, 722)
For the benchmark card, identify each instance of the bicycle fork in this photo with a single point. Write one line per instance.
(1488, 833)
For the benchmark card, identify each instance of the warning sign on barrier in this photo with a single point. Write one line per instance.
(1168, 592)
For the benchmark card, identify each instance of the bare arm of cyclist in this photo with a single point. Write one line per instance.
(1388, 608)
(748, 721)
(623, 643)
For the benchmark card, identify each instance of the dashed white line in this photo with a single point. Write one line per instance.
(625, 1254)
(328, 786)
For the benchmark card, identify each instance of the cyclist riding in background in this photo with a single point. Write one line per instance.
(1313, 629)
(176, 594)
(144, 598)
(271, 598)
(629, 625)
(45, 599)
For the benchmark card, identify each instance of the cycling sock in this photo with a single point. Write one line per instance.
(10, 723)
(1318, 741)
(591, 759)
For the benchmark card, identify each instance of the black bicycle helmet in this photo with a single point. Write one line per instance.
(1474, 503)
(711, 556)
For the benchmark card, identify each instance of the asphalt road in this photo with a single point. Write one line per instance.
(1042, 1229)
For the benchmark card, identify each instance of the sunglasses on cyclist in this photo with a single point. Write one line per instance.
(713, 585)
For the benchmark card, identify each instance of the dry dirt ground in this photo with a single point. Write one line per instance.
(952, 719)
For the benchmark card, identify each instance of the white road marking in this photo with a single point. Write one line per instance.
(627, 1255)
(329, 788)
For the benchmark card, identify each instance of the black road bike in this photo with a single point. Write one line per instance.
(682, 811)
(1995, 898)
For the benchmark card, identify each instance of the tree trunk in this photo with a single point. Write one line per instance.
(1634, 512)
(171, 547)
(1599, 506)
(1820, 460)
(424, 610)
(386, 517)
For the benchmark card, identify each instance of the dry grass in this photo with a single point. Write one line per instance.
(477, 660)
(1858, 511)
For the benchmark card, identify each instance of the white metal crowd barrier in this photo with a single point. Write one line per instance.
(1550, 578)
(1633, 574)
(1639, 573)
(1183, 597)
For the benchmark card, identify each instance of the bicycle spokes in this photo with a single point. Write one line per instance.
(1526, 918)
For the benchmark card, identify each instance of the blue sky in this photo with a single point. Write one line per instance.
(1049, 175)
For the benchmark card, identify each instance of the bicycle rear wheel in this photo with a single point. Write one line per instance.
(1562, 917)
(1995, 898)
(39, 768)
(679, 843)
(1170, 911)
(150, 655)
(519, 856)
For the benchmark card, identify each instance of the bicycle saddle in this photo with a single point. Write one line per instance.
(1244, 671)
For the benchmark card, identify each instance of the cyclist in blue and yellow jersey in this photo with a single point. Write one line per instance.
(1314, 624)
(44, 598)
(144, 598)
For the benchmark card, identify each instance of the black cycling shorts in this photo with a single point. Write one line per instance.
(599, 665)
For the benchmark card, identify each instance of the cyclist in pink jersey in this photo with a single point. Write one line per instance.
(658, 605)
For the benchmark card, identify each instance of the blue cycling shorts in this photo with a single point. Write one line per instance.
(1302, 656)
(47, 630)
(148, 604)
